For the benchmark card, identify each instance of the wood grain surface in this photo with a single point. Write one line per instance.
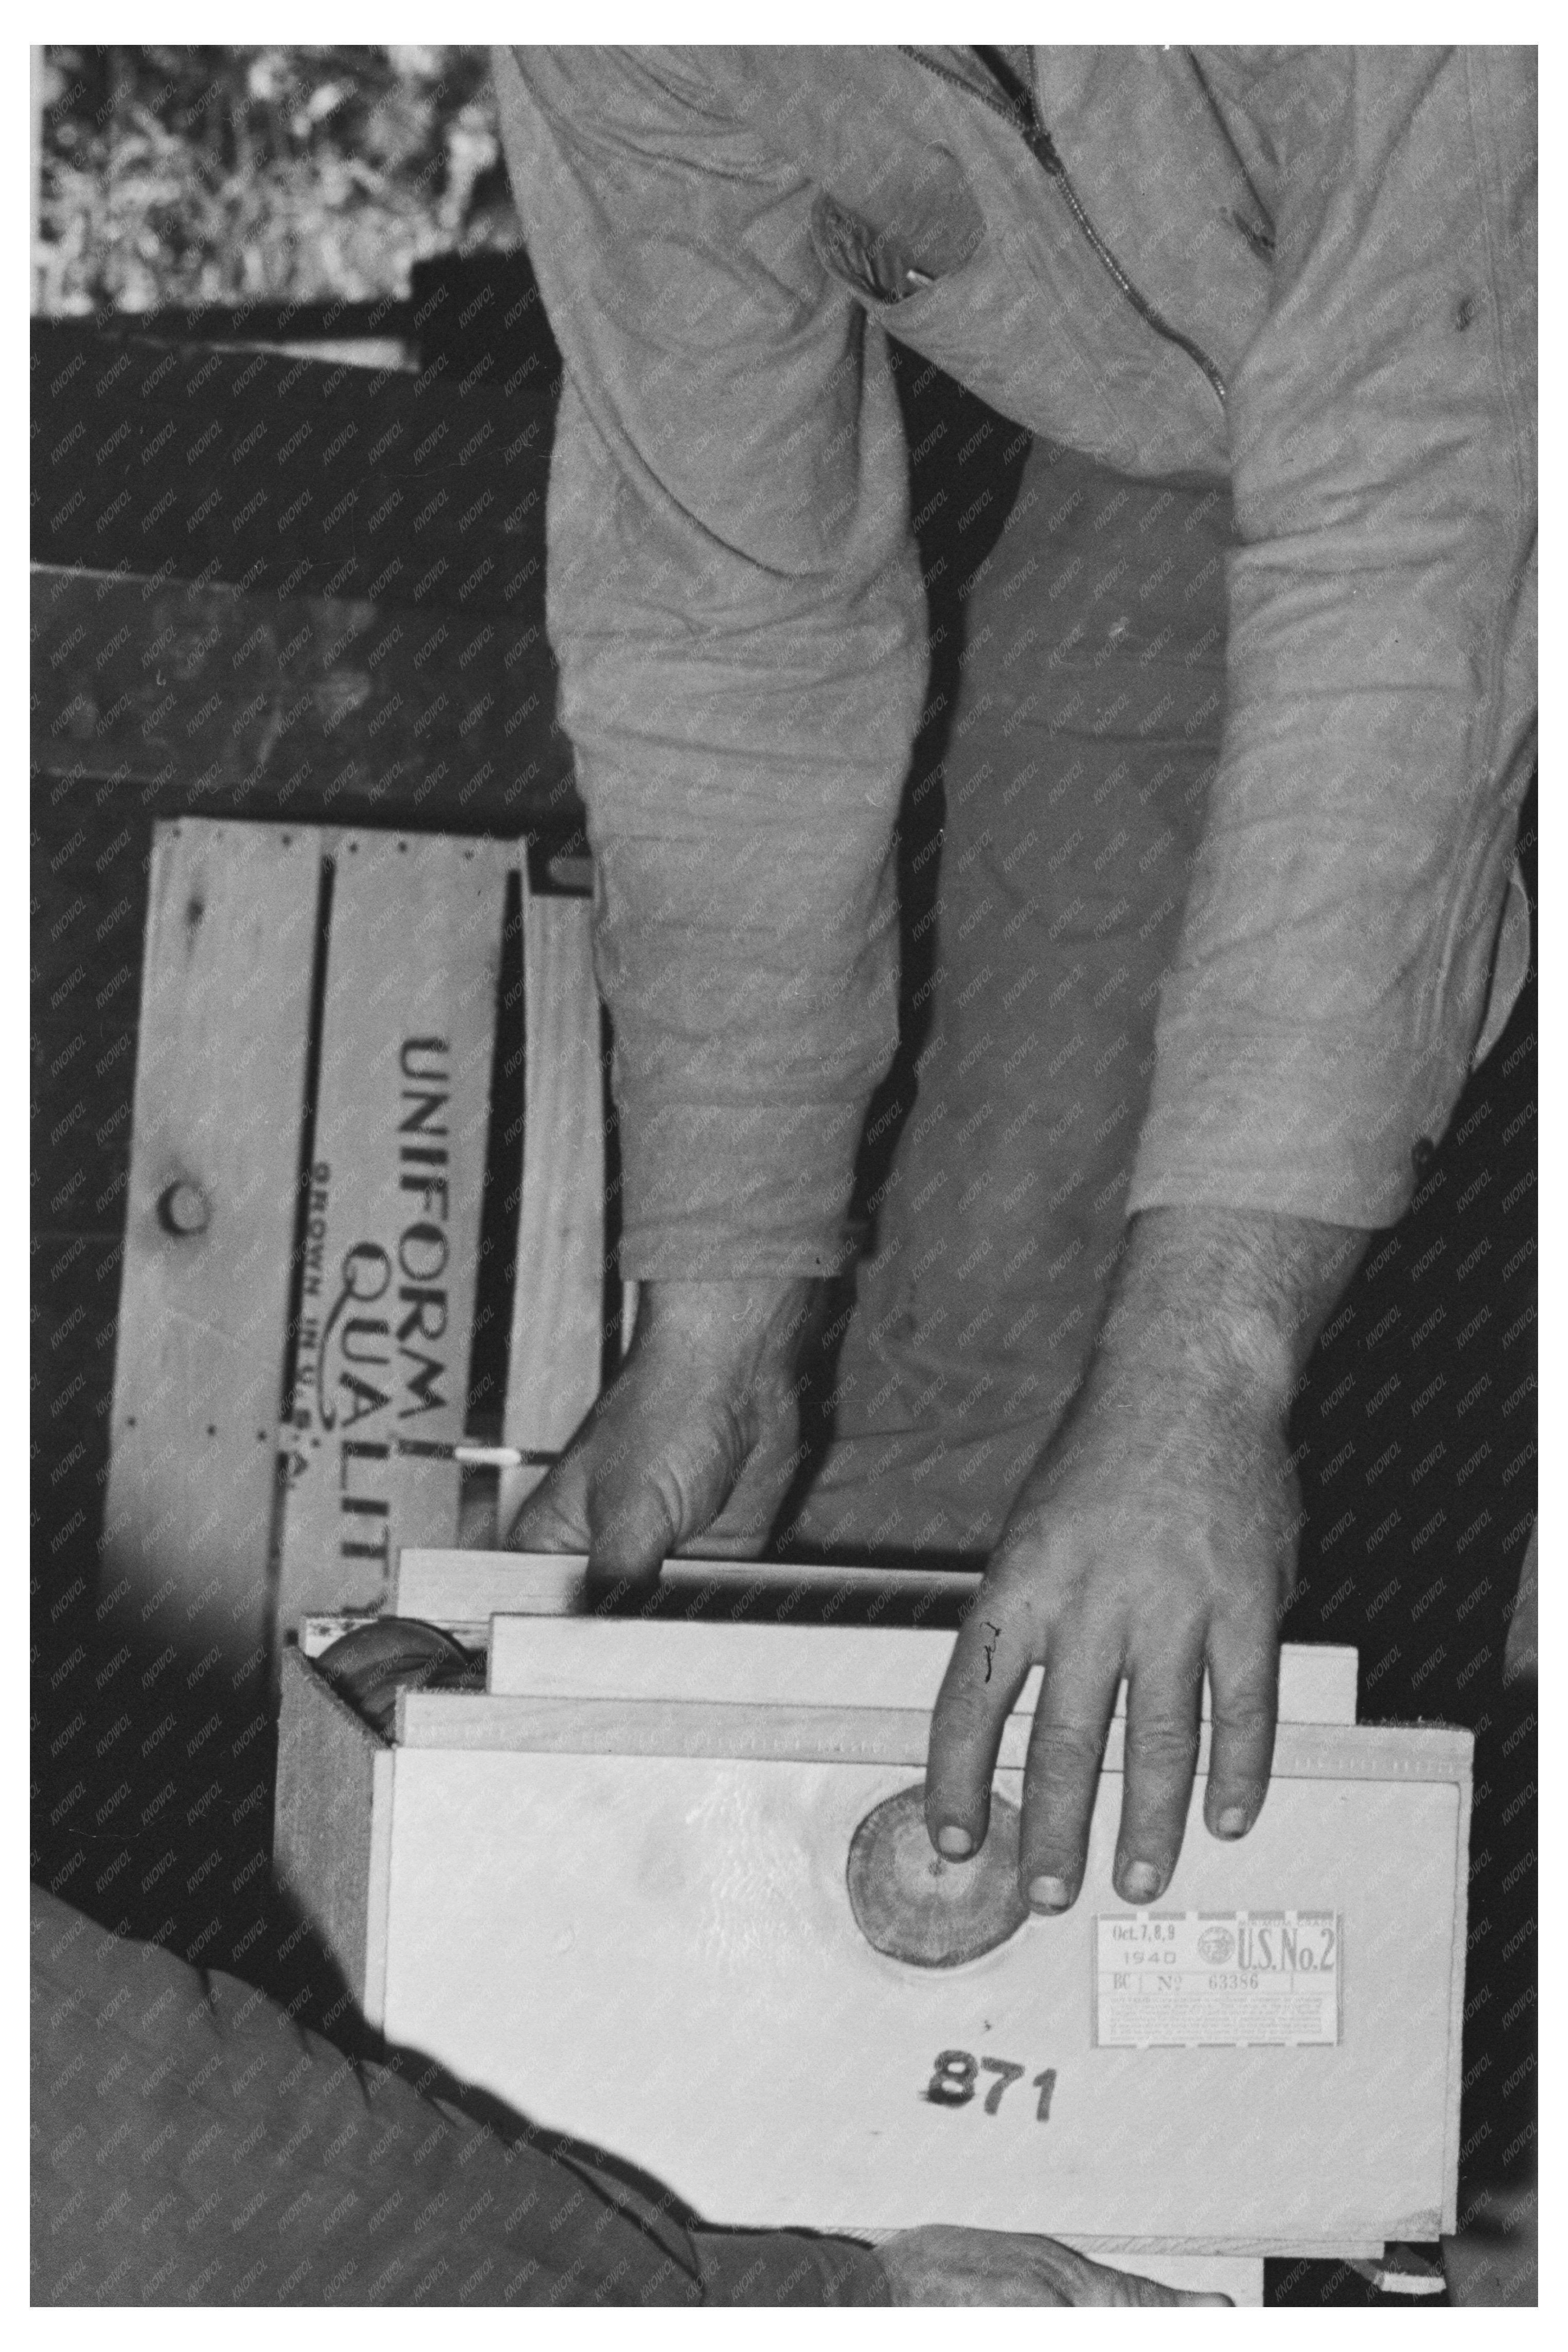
(558, 1311)
(219, 1101)
(401, 1129)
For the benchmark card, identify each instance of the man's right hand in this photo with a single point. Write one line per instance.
(693, 1446)
(993, 2269)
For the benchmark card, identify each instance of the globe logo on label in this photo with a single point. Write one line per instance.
(1215, 1946)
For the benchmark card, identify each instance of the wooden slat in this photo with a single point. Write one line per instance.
(402, 1122)
(557, 1324)
(274, 324)
(219, 1094)
(1451, 2146)
(470, 1587)
(870, 1735)
(779, 1666)
(289, 473)
(620, 1726)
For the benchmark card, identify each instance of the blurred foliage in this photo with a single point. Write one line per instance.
(176, 176)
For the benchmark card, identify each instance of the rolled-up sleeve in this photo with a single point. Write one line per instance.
(1350, 910)
(736, 609)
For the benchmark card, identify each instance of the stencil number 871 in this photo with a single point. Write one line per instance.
(955, 2075)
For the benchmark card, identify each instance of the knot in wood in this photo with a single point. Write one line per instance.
(183, 1207)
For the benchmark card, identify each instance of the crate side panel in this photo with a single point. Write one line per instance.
(397, 1177)
(332, 1769)
(219, 1091)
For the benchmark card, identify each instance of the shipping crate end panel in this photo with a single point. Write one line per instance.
(213, 1183)
(331, 1841)
(701, 2001)
(390, 1271)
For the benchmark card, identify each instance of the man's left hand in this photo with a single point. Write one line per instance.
(1154, 1541)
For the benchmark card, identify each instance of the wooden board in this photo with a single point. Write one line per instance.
(220, 1095)
(828, 1734)
(289, 474)
(304, 707)
(448, 1587)
(809, 1664)
(701, 2001)
(333, 1827)
(401, 1119)
(557, 1331)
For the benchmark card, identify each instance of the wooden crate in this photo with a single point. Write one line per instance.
(301, 1283)
(613, 1888)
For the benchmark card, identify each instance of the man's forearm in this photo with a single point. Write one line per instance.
(1223, 1301)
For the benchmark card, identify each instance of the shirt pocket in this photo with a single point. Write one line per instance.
(924, 228)
(967, 296)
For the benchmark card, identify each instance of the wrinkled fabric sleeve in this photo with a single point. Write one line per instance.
(1351, 905)
(191, 2143)
(736, 609)
(783, 2266)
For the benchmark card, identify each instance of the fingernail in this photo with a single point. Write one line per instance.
(1139, 1882)
(1232, 1823)
(955, 1842)
(1050, 1894)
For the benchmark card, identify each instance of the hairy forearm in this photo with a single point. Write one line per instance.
(1223, 1300)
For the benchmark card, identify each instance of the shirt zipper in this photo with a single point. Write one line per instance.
(1025, 117)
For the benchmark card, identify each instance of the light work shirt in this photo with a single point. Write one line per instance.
(1307, 274)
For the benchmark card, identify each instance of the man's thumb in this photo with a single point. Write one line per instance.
(632, 1531)
(554, 1517)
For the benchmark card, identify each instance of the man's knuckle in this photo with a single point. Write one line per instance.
(1172, 1742)
(1064, 1746)
(1249, 1719)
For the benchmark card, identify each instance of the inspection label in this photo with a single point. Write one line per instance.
(1216, 1979)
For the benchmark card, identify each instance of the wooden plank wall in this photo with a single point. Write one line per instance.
(213, 698)
(302, 478)
(386, 496)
